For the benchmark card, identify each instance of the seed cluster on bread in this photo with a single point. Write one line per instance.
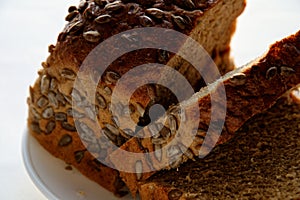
(51, 115)
(71, 133)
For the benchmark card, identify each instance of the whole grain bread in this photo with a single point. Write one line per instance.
(250, 90)
(261, 162)
(51, 115)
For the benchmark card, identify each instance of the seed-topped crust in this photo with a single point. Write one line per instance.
(51, 115)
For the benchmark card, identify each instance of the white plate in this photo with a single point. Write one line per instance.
(54, 181)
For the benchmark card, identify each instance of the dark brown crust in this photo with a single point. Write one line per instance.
(261, 162)
(262, 83)
(73, 46)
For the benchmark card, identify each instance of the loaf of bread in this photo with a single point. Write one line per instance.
(250, 90)
(261, 162)
(51, 115)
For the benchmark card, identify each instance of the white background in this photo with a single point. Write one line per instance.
(27, 27)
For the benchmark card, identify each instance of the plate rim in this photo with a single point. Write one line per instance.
(30, 169)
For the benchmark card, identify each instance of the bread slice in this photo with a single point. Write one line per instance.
(250, 90)
(261, 162)
(51, 115)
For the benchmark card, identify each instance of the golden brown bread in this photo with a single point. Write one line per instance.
(249, 90)
(51, 116)
(261, 162)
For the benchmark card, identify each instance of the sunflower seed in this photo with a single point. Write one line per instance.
(82, 5)
(50, 127)
(158, 141)
(158, 152)
(145, 21)
(178, 113)
(48, 113)
(71, 9)
(189, 4)
(201, 133)
(286, 71)
(179, 21)
(172, 124)
(139, 169)
(104, 142)
(140, 134)
(52, 99)
(101, 2)
(173, 151)
(92, 36)
(112, 137)
(116, 6)
(60, 116)
(53, 84)
(133, 9)
(35, 113)
(128, 110)
(174, 194)
(101, 101)
(154, 131)
(120, 141)
(65, 140)
(128, 133)
(60, 98)
(117, 108)
(272, 71)
(295, 95)
(102, 19)
(165, 133)
(68, 127)
(74, 113)
(68, 99)
(107, 90)
(94, 148)
(159, 127)
(90, 112)
(112, 77)
(148, 159)
(186, 151)
(140, 109)
(71, 15)
(86, 133)
(112, 129)
(68, 74)
(102, 154)
(35, 127)
(79, 155)
(75, 27)
(76, 96)
(238, 79)
(42, 102)
(115, 120)
(175, 162)
(45, 84)
(155, 12)
(90, 11)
